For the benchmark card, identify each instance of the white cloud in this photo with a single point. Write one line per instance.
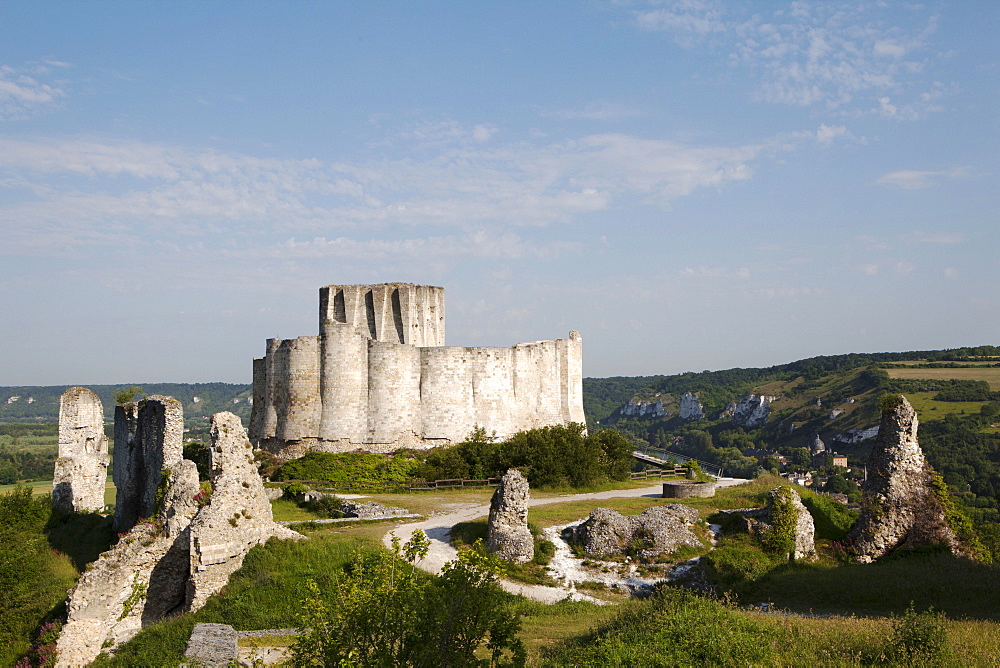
(939, 237)
(842, 55)
(596, 111)
(869, 269)
(459, 185)
(951, 273)
(904, 268)
(911, 179)
(21, 94)
(826, 134)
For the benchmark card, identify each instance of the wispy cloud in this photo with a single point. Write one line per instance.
(80, 189)
(844, 56)
(596, 111)
(911, 179)
(22, 93)
(939, 237)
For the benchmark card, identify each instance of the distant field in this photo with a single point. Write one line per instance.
(990, 374)
(963, 363)
(45, 487)
(928, 409)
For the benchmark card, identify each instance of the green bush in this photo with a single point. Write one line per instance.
(919, 637)
(833, 519)
(353, 466)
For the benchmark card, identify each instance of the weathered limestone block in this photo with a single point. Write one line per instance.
(137, 582)
(213, 645)
(237, 518)
(507, 534)
(900, 508)
(81, 470)
(661, 530)
(148, 440)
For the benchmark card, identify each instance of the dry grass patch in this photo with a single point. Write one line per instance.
(990, 374)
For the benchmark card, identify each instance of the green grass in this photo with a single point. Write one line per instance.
(680, 628)
(928, 409)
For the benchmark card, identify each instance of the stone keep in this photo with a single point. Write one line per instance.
(379, 377)
(81, 469)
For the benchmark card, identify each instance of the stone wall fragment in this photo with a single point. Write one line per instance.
(81, 470)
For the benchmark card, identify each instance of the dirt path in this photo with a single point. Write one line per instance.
(438, 527)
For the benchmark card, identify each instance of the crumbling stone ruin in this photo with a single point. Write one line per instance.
(379, 377)
(659, 530)
(187, 546)
(371, 510)
(899, 506)
(759, 521)
(81, 469)
(507, 534)
(149, 437)
(237, 517)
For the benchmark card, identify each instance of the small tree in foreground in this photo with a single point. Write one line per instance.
(384, 612)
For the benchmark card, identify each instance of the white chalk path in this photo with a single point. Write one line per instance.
(438, 527)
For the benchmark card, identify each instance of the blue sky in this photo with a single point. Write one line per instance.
(692, 184)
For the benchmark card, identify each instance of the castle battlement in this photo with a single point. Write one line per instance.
(379, 377)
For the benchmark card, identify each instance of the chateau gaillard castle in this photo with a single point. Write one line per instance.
(379, 378)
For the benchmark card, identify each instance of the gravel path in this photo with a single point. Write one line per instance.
(438, 527)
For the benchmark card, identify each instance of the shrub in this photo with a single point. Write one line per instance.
(918, 638)
(833, 519)
(353, 466)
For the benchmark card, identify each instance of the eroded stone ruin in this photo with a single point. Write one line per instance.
(758, 521)
(186, 545)
(507, 534)
(900, 507)
(379, 377)
(81, 470)
(661, 530)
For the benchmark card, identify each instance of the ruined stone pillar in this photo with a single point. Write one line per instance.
(158, 444)
(81, 471)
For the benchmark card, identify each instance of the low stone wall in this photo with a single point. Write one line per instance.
(687, 489)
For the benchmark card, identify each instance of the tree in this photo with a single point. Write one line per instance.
(386, 613)
(124, 396)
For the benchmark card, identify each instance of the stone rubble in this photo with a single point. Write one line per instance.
(370, 510)
(507, 534)
(80, 472)
(661, 530)
(900, 508)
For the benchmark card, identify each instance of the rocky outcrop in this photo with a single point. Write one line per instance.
(899, 507)
(856, 435)
(81, 470)
(752, 410)
(507, 534)
(657, 531)
(185, 550)
(640, 408)
(691, 408)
